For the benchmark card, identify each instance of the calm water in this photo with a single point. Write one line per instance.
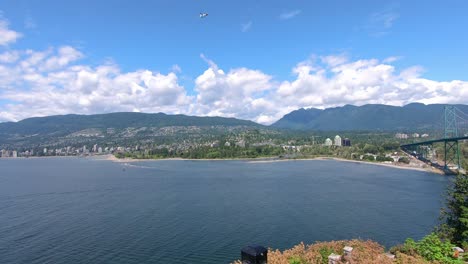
(72, 210)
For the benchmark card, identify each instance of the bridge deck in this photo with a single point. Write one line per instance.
(434, 141)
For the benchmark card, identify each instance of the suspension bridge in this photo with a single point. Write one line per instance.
(455, 130)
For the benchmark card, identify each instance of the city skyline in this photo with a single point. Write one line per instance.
(255, 61)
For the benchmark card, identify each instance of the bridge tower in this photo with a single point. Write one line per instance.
(451, 148)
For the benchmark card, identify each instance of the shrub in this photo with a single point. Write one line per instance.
(368, 157)
(455, 213)
(325, 252)
(430, 248)
(404, 160)
(295, 260)
(383, 158)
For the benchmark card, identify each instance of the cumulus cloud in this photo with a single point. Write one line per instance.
(363, 82)
(7, 36)
(234, 94)
(39, 83)
(9, 57)
(53, 81)
(289, 14)
(50, 82)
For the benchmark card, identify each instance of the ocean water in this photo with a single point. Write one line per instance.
(80, 210)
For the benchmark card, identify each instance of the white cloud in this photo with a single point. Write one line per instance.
(392, 59)
(65, 56)
(234, 94)
(334, 60)
(7, 36)
(381, 22)
(176, 68)
(9, 57)
(48, 82)
(52, 81)
(289, 14)
(366, 81)
(246, 27)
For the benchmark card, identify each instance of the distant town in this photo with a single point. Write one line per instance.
(245, 144)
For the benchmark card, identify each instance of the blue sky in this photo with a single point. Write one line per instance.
(239, 46)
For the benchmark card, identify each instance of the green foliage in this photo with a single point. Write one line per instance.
(383, 158)
(408, 248)
(431, 248)
(295, 260)
(325, 252)
(404, 160)
(368, 148)
(455, 214)
(368, 157)
(391, 146)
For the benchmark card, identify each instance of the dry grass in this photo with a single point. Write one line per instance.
(367, 252)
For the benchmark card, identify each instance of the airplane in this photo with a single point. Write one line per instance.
(203, 15)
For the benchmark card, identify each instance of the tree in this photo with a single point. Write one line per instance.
(404, 160)
(455, 215)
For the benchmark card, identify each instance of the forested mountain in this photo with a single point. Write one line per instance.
(413, 116)
(64, 124)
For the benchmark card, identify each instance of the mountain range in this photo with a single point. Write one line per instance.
(371, 117)
(64, 124)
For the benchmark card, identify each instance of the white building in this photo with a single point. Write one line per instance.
(337, 141)
(401, 136)
(415, 135)
(328, 142)
(15, 154)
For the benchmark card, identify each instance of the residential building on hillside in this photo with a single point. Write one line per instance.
(347, 142)
(338, 141)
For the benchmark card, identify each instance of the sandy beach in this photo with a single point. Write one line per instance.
(269, 160)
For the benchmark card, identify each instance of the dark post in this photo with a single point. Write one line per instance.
(254, 255)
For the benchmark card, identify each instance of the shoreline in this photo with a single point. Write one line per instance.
(431, 169)
(111, 157)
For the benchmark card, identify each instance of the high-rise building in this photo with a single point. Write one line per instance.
(347, 142)
(328, 142)
(337, 141)
(14, 154)
(401, 136)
